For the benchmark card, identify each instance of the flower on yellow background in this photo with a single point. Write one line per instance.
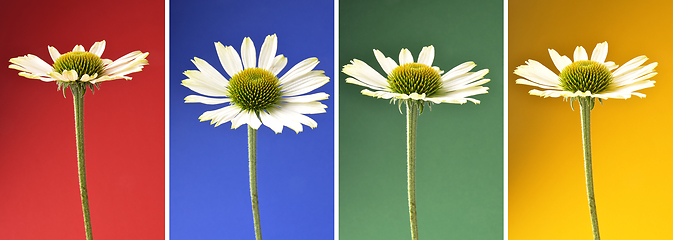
(79, 65)
(586, 77)
(255, 94)
(417, 80)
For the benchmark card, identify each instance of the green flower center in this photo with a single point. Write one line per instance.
(414, 78)
(254, 89)
(585, 76)
(82, 62)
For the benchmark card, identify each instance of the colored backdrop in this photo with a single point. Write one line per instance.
(459, 174)
(123, 125)
(209, 195)
(630, 138)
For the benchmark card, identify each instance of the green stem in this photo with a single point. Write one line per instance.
(78, 100)
(412, 120)
(252, 156)
(585, 112)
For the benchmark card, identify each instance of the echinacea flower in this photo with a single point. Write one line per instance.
(414, 84)
(79, 70)
(417, 80)
(585, 80)
(255, 93)
(586, 77)
(79, 65)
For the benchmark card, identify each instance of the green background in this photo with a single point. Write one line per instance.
(459, 175)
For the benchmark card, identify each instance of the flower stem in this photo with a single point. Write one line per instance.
(252, 156)
(412, 120)
(78, 100)
(585, 112)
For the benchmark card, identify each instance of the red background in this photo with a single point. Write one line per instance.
(123, 125)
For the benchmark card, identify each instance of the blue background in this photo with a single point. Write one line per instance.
(209, 189)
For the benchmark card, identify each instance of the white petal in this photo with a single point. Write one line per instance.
(209, 71)
(457, 83)
(580, 54)
(206, 100)
(388, 64)
(248, 54)
(304, 108)
(384, 94)
(253, 120)
(559, 62)
(129, 63)
(221, 115)
(268, 52)
(78, 48)
(271, 122)
(240, 119)
(406, 57)
(458, 70)
(600, 52)
(305, 84)
(635, 73)
(229, 59)
(31, 64)
(630, 65)
(364, 73)
(286, 119)
(199, 83)
(54, 53)
(98, 48)
(299, 70)
(427, 55)
(358, 82)
(307, 98)
(278, 64)
(534, 84)
(538, 73)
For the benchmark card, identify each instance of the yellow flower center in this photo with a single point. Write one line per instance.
(82, 62)
(585, 76)
(414, 78)
(254, 89)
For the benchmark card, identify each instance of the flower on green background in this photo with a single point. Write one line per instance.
(586, 77)
(417, 80)
(254, 92)
(79, 65)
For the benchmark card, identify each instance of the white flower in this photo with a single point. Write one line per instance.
(255, 94)
(588, 77)
(79, 65)
(417, 80)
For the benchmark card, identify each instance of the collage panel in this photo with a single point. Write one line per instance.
(210, 196)
(93, 46)
(629, 138)
(459, 147)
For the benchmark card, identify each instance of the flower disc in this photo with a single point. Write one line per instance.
(414, 78)
(585, 76)
(254, 89)
(82, 62)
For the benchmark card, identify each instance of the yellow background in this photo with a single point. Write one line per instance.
(632, 139)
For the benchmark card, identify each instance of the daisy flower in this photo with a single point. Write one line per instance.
(417, 80)
(254, 92)
(586, 77)
(79, 65)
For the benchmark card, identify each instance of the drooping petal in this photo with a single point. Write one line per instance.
(271, 122)
(305, 107)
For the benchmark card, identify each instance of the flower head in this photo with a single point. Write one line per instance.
(586, 77)
(254, 92)
(79, 66)
(419, 80)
